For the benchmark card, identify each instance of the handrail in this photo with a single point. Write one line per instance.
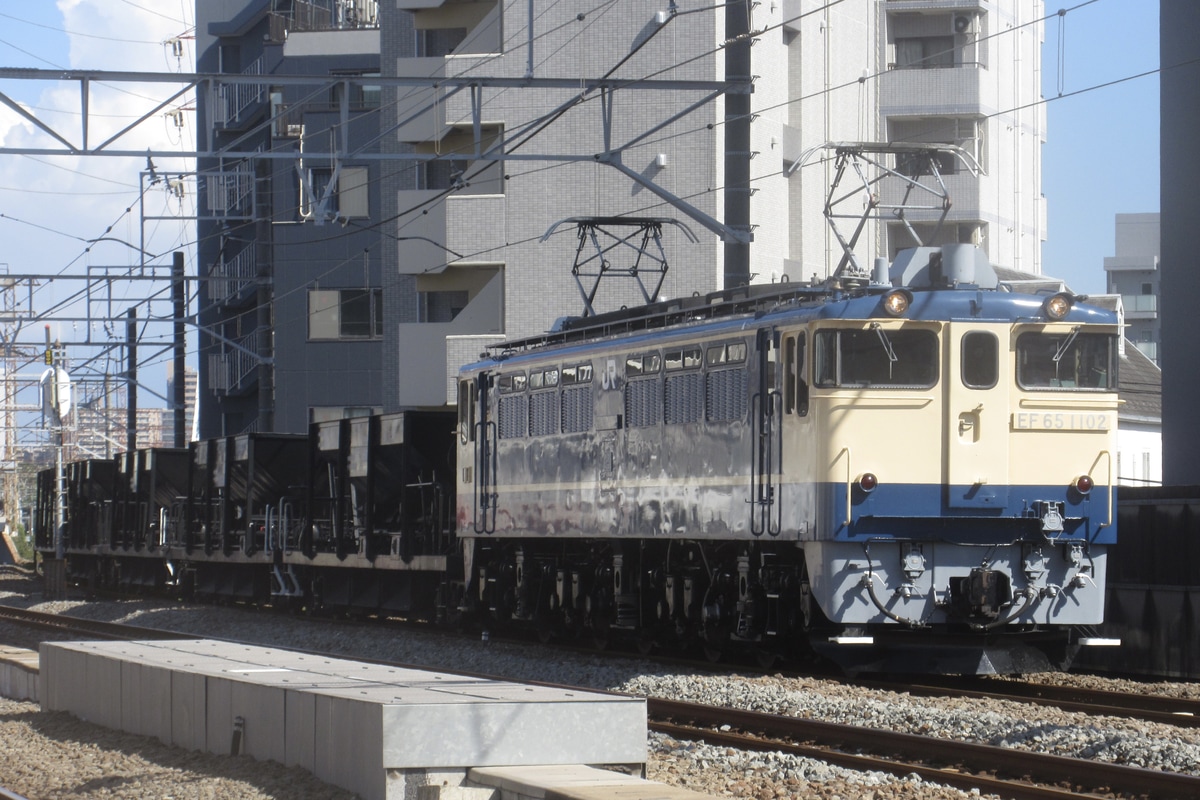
(849, 483)
(1108, 455)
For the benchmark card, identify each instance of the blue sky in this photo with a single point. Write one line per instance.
(1100, 157)
(1101, 153)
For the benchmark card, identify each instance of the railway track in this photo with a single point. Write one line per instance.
(1174, 711)
(78, 626)
(988, 769)
(1178, 711)
(1008, 772)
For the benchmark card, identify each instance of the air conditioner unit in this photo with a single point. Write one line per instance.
(963, 23)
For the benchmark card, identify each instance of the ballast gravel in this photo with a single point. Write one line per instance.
(75, 756)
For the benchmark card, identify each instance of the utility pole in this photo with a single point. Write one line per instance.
(737, 142)
(131, 381)
(179, 388)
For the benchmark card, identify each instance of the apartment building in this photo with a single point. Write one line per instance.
(1133, 274)
(290, 298)
(492, 145)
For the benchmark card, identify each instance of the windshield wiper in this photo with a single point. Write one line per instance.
(1066, 345)
(885, 341)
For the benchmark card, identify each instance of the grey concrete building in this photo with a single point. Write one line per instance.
(1132, 273)
(470, 265)
(372, 296)
(291, 296)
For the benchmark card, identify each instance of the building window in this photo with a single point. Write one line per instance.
(362, 96)
(925, 52)
(350, 198)
(441, 175)
(335, 314)
(438, 42)
(1147, 288)
(441, 306)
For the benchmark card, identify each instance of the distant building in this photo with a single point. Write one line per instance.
(1139, 421)
(1133, 274)
(190, 386)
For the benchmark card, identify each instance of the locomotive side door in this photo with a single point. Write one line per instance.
(978, 377)
(767, 442)
(477, 428)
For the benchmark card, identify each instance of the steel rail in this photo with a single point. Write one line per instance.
(65, 623)
(1061, 771)
(1182, 712)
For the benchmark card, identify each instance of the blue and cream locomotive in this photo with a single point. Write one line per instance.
(915, 473)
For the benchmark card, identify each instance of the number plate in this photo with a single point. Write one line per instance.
(1062, 421)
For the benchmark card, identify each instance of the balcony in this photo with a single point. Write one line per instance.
(234, 371)
(941, 92)
(233, 275)
(230, 192)
(471, 227)
(1140, 306)
(322, 15)
(236, 103)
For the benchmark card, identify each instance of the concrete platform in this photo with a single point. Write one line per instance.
(382, 732)
(18, 674)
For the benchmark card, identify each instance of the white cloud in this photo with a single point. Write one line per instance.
(82, 196)
(52, 204)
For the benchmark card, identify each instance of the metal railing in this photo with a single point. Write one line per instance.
(235, 98)
(230, 276)
(323, 15)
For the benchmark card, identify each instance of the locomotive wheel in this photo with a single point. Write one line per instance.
(765, 658)
(712, 654)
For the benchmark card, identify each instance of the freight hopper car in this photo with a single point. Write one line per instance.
(1153, 589)
(914, 476)
(353, 517)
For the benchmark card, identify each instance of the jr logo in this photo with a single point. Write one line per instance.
(608, 378)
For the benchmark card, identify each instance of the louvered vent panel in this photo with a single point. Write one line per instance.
(543, 413)
(685, 398)
(512, 417)
(577, 409)
(642, 402)
(725, 394)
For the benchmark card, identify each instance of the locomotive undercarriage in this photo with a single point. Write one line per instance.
(718, 597)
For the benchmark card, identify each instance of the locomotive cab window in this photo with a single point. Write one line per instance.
(980, 366)
(1067, 360)
(468, 395)
(795, 385)
(875, 357)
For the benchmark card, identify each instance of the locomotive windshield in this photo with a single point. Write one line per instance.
(873, 357)
(1069, 360)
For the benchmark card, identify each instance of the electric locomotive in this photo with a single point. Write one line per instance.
(913, 472)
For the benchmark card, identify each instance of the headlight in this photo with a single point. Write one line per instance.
(1058, 305)
(1083, 484)
(896, 302)
(867, 482)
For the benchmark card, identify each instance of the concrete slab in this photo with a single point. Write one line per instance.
(574, 782)
(350, 723)
(18, 673)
